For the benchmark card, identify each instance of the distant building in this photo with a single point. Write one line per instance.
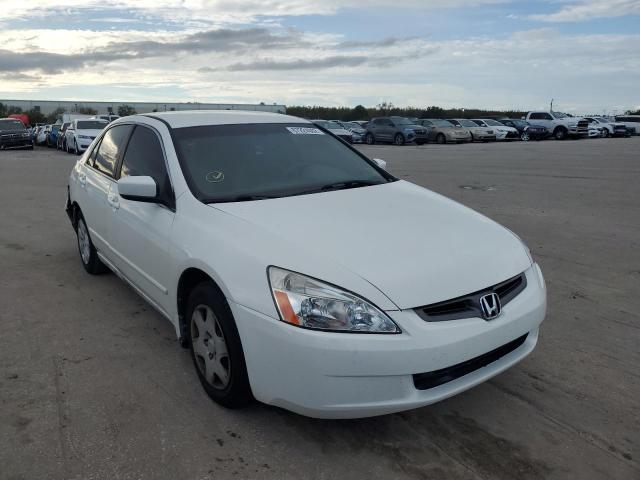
(49, 106)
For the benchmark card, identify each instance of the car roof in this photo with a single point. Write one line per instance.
(194, 118)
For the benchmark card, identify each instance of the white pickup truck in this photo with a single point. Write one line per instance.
(559, 124)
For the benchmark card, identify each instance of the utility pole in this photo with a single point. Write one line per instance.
(551, 106)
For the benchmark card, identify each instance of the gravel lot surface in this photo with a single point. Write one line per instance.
(93, 384)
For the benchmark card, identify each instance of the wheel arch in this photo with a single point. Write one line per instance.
(189, 279)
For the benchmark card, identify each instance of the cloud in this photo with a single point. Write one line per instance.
(220, 40)
(584, 10)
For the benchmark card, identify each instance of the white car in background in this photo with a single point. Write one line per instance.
(502, 131)
(608, 127)
(251, 233)
(80, 134)
(632, 122)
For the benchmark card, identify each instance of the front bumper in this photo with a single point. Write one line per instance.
(11, 141)
(341, 375)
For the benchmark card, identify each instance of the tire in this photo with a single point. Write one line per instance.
(88, 253)
(369, 139)
(223, 374)
(472, 139)
(398, 139)
(560, 134)
(605, 133)
(525, 137)
(76, 150)
(441, 139)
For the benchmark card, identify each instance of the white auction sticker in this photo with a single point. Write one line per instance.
(305, 131)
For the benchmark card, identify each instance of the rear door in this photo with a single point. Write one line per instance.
(95, 178)
(141, 229)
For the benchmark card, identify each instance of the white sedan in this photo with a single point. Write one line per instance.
(296, 270)
(503, 132)
(80, 134)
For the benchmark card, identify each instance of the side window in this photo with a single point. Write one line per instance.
(144, 156)
(110, 149)
(546, 116)
(378, 121)
(92, 156)
(538, 116)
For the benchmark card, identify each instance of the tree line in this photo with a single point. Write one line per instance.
(36, 116)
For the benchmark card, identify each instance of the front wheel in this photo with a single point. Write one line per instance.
(441, 139)
(605, 133)
(369, 139)
(525, 137)
(216, 348)
(76, 150)
(398, 139)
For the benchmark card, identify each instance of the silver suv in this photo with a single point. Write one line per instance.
(398, 130)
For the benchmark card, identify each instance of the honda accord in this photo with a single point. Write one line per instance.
(296, 270)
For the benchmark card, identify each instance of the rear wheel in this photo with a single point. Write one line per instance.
(441, 139)
(369, 139)
(398, 139)
(560, 133)
(605, 133)
(216, 348)
(524, 136)
(88, 253)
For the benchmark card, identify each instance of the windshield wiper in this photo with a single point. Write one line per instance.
(340, 186)
(240, 198)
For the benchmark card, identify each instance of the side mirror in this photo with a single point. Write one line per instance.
(380, 163)
(141, 189)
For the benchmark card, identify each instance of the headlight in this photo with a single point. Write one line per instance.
(310, 303)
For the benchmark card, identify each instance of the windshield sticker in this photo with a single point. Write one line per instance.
(305, 131)
(214, 177)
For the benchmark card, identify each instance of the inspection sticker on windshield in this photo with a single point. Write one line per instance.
(305, 131)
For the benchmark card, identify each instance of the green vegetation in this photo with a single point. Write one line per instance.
(385, 109)
(126, 110)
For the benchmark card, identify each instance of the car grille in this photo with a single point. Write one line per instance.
(420, 131)
(468, 306)
(425, 381)
(583, 126)
(489, 132)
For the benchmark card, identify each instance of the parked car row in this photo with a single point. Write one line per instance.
(534, 126)
(74, 136)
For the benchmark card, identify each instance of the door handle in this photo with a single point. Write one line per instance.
(112, 199)
(82, 179)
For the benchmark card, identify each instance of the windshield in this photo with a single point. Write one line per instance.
(12, 125)
(468, 123)
(493, 123)
(602, 120)
(328, 124)
(442, 123)
(227, 163)
(354, 125)
(401, 121)
(559, 115)
(91, 125)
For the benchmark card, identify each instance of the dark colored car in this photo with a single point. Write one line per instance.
(526, 130)
(60, 138)
(398, 130)
(52, 136)
(13, 134)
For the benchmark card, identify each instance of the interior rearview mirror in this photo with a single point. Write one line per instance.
(381, 163)
(139, 188)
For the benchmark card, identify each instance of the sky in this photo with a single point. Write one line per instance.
(493, 54)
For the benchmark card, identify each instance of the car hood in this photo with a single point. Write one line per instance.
(414, 245)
